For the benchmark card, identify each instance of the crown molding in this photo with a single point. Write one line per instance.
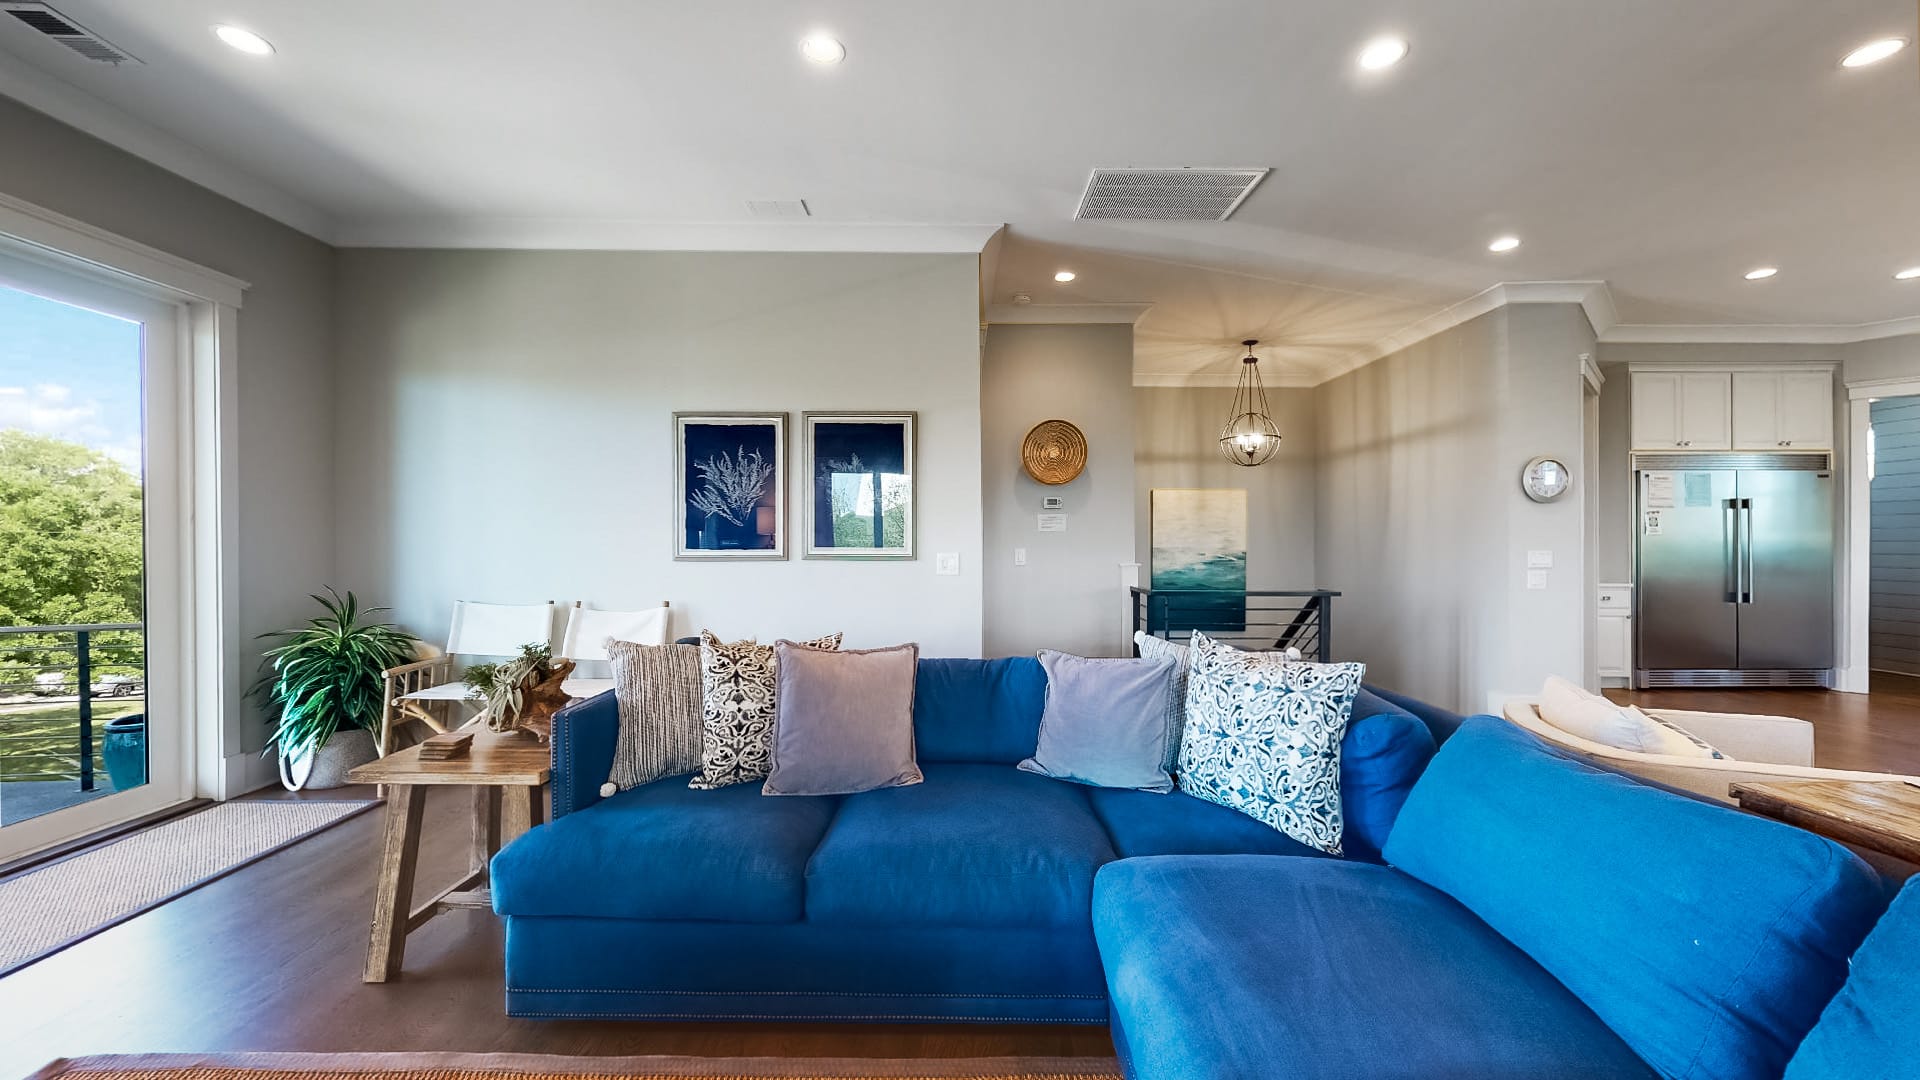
(613, 234)
(78, 109)
(1593, 297)
(1171, 380)
(1760, 334)
(1046, 314)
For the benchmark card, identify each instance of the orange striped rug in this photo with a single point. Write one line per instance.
(435, 1066)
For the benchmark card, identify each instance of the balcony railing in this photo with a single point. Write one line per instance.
(1257, 620)
(42, 669)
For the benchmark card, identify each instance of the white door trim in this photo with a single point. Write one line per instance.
(1856, 596)
(204, 397)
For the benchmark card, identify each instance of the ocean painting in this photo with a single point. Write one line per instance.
(1199, 543)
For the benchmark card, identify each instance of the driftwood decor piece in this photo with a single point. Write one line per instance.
(1054, 452)
(523, 693)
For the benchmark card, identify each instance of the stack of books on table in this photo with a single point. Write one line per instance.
(447, 746)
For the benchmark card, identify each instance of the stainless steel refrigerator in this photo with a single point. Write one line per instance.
(1734, 570)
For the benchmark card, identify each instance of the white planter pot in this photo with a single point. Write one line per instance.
(328, 767)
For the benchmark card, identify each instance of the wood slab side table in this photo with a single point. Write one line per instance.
(1879, 815)
(506, 773)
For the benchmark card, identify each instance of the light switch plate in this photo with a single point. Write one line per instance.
(1540, 559)
(1536, 579)
(1019, 556)
(947, 563)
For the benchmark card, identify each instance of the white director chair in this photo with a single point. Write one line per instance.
(426, 691)
(585, 641)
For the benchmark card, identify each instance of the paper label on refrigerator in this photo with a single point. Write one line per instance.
(1660, 491)
(1651, 526)
(1696, 489)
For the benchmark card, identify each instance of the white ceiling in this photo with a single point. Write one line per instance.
(1662, 147)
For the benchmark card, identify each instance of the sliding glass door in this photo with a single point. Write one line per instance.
(91, 732)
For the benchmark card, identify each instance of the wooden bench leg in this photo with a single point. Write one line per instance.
(486, 825)
(519, 811)
(393, 895)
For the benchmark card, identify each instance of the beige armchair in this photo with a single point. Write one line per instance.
(1757, 748)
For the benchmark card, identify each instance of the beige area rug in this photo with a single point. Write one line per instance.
(50, 907)
(550, 1067)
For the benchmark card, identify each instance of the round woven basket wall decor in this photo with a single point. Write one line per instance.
(1054, 452)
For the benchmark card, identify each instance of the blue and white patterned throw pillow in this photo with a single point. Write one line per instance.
(1263, 735)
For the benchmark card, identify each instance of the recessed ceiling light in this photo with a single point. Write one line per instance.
(1063, 276)
(1873, 52)
(1762, 273)
(1911, 273)
(822, 49)
(245, 40)
(1382, 53)
(1504, 243)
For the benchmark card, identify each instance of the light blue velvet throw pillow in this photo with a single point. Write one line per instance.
(1263, 737)
(1105, 722)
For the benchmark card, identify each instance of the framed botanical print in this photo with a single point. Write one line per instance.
(729, 488)
(859, 485)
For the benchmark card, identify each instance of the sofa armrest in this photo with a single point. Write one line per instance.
(584, 735)
(1771, 740)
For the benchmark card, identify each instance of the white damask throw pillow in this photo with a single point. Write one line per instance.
(1263, 735)
(737, 705)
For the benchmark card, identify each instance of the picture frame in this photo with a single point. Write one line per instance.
(730, 486)
(859, 493)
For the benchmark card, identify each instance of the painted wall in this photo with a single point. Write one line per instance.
(1887, 358)
(1068, 594)
(285, 401)
(1894, 609)
(1420, 520)
(1176, 445)
(505, 429)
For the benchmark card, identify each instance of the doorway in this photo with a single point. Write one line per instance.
(91, 676)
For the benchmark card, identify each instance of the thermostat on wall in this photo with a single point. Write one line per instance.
(1053, 502)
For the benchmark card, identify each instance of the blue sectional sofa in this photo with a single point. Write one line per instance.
(967, 897)
(1513, 913)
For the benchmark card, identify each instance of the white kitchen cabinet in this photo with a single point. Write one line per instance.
(1615, 631)
(1782, 410)
(1682, 410)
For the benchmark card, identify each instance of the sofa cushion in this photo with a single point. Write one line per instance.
(1105, 721)
(1709, 939)
(1149, 823)
(1873, 1027)
(664, 851)
(1385, 750)
(975, 845)
(843, 720)
(1250, 965)
(978, 710)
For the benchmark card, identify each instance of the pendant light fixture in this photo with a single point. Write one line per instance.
(1250, 436)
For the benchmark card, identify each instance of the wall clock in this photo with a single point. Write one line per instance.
(1545, 479)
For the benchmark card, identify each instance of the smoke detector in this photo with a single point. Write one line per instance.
(49, 22)
(1183, 194)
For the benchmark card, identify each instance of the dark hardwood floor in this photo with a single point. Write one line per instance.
(1874, 732)
(269, 958)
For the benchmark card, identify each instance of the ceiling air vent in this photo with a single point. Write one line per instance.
(1166, 194)
(51, 23)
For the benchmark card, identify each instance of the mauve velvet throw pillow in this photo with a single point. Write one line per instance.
(844, 720)
(1105, 722)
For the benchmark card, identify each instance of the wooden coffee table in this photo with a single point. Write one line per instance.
(506, 773)
(1879, 815)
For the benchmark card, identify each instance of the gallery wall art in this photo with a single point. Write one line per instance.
(859, 485)
(730, 485)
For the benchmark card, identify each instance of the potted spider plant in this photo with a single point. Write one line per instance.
(323, 684)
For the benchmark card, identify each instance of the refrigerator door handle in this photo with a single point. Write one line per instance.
(1746, 551)
(1731, 543)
